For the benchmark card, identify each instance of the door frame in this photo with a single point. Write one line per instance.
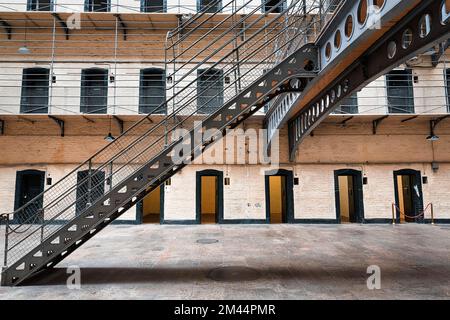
(289, 176)
(359, 193)
(418, 176)
(140, 206)
(198, 194)
(19, 185)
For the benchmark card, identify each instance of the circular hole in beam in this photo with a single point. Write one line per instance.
(445, 11)
(337, 39)
(308, 65)
(378, 4)
(392, 49)
(362, 11)
(349, 26)
(425, 26)
(407, 38)
(328, 51)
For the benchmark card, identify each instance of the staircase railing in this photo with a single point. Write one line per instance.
(40, 218)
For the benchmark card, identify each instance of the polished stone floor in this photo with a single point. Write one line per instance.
(252, 262)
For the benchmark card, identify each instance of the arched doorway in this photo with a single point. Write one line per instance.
(408, 195)
(279, 196)
(29, 185)
(349, 196)
(209, 196)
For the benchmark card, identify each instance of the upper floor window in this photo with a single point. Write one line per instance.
(447, 88)
(400, 94)
(152, 91)
(349, 105)
(209, 90)
(209, 6)
(153, 5)
(274, 6)
(39, 5)
(97, 5)
(94, 90)
(35, 83)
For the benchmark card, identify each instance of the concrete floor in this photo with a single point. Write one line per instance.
(281, 261)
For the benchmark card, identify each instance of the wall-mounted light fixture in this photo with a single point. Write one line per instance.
(24, 49)
(435, 166)
(433, 125)
(109, 137)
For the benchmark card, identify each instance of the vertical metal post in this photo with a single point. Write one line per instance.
(237, 73)
(52, 63)
(432, 214)
(115, 63)
(5, 258)
(89, 183)
(393, 213)
(111, 176)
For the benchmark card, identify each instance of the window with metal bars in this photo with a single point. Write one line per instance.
(348, 106)
(34, 96)
(400, 94)
(153, 5)
(209, 90)
(152, 91)
(97, 5)
(39, 5)
(277, 5)
(94, 90)
(209, 6)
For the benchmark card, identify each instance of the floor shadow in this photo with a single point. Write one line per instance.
(127, 275)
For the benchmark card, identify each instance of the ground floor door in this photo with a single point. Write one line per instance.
(279, 196)
(29, 184)
(349, 196)
(209, 196)
(408, 196)
(152, 206)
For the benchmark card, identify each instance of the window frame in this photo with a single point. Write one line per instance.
(141, 89)
(143, 6)
(26, 72)
(410, 88)
(353, 96)
(200, 7)
(89, 4)
(84, 107)
(281, 8)
(33, 3)
(209, 109)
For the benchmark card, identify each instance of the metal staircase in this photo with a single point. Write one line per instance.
(255, 56)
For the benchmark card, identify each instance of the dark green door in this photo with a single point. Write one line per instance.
(29, 185)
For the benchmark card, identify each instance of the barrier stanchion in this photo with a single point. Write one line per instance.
(393, 213)
(432, 214)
